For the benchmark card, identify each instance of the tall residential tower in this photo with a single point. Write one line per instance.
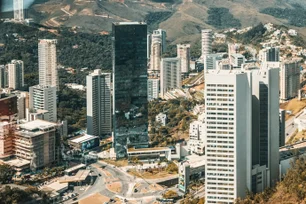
(99, 111)
(16, 74)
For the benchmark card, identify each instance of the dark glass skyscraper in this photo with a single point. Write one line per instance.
(130, 106)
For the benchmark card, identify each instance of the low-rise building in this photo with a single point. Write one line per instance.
(149, 154)
(161, 118)
(84, 142)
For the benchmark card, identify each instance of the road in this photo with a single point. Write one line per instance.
(127, 181)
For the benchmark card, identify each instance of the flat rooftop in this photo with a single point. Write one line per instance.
(83, 138)
(55, 186)
(149, 149)
(37, 124)
(129, 23)
(17, 162)
(75, 168)
(80, 176)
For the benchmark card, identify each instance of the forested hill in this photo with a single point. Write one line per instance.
(74, 49)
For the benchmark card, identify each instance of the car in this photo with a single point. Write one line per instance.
(99, 174)
(135, 190)
(75, 198)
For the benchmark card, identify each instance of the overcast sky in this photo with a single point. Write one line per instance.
(7, 5)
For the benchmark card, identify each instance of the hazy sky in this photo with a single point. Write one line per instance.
(7, 5)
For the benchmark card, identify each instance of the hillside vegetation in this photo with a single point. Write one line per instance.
(290, 190)
(222, 18)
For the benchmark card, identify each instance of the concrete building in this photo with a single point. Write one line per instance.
(99, 106)
(282, 127)
(3, 77)
(16, 74)
(36, 141)
(197, 136)
(289, 80)
(44, 98)
(156, 52)
(149, 41)
(269, 54)
(170, 75)
(130, 98)
(23, 104)
(161, 118)
(18, 10)
(160, 35)
(183, 53)
(84, 142)
(207, 35)
(47, 63)
(237, 60)
(242, 133)
(212, 60)
(153, 89)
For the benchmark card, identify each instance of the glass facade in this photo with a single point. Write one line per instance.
(130, 86)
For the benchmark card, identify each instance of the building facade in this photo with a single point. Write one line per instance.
(99, 108)
(130, 99)
(156, 52)
(36, 141)
(47, 63)
(3, 77)
(242, 133)
(269, 54)
(160, 35)
(153, 88)
(44, 98)
(18, 10)
(206, 41)
(289, 80)
(183, 53)
(170, 75)
(16, 74)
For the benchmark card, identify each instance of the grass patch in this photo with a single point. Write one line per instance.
(293, 105)
(149, 175)
(118, 163)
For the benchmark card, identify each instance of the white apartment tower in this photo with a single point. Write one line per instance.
(18, 10)
(47, 63)
(156, 52)
(241, 133)
(153, 89)
(44, 98)
(183, 52)
(289, 80)
(228, 135)
(16, 74)
(206, 42)
(99, 120)
(170, 75)
(160, 35)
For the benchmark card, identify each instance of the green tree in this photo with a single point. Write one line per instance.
(6, 173)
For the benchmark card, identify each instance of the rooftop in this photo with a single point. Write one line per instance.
(17, 162)
(75, 168)
(56, 186)
(80, 176)
(129, 23)
(83, 138)
(37, 124)
(148, 149)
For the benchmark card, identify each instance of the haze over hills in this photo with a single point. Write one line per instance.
(183, 19)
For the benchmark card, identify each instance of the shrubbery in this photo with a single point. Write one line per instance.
(221, 18)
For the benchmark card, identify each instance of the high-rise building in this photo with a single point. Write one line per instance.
(282, 127)
(170, 75)
(153, 89)
(206, 42)
(99, 108)
(269, 54)
(149, 41)
(130, 100)
(160, 35)
(3, 77)
(289, 80)
(155, 58)
(242, 133)
(47, 63)
(38, 142)
(265, 128)
(237, 60)
(8, 118)
(44, 98)
(183, 53)
(23, 104)
(16, 74)
(18, 10)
